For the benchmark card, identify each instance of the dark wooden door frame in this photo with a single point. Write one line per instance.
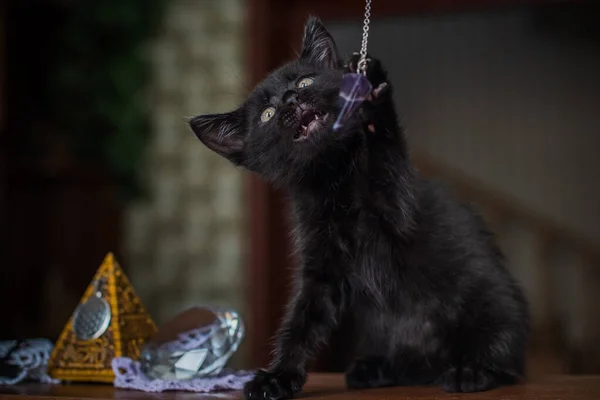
(274, 32)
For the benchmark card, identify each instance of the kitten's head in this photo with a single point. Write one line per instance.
(283, 131)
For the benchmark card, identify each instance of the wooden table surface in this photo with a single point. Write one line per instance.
(331, 387)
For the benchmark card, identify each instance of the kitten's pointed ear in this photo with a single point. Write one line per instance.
(318, 46)
(222, 133)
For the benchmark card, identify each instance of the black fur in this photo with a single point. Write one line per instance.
(419, 273)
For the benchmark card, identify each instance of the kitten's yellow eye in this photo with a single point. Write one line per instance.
(305, 82)
(267, 114)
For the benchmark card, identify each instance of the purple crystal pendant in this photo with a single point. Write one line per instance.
(355, 87)
(354, 90)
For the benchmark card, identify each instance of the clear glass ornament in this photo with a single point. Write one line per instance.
(197, 343)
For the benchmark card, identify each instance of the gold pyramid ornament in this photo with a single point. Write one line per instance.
(110, 321)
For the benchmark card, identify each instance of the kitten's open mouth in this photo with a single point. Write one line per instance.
(310, 121)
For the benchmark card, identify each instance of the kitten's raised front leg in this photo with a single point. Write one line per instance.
(388, 161)
(311, 316)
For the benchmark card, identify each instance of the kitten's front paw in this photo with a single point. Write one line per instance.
(468, 379)
(273, 386)
(370, 372)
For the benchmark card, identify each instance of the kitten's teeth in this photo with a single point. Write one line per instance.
(303, 127)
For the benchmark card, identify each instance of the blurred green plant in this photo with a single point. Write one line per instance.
(81, 71)
(101, 79)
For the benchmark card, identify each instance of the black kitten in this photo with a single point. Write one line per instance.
(419, 274)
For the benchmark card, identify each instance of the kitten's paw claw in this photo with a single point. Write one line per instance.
(273, 386)
(378, 94)
(381, 89)
(468, 379)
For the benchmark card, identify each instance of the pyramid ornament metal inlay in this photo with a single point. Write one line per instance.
(92, 318)
(110, 321)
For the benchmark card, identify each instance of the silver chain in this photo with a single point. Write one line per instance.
(362, 64)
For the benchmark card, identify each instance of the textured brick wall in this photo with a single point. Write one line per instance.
(184, 243)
